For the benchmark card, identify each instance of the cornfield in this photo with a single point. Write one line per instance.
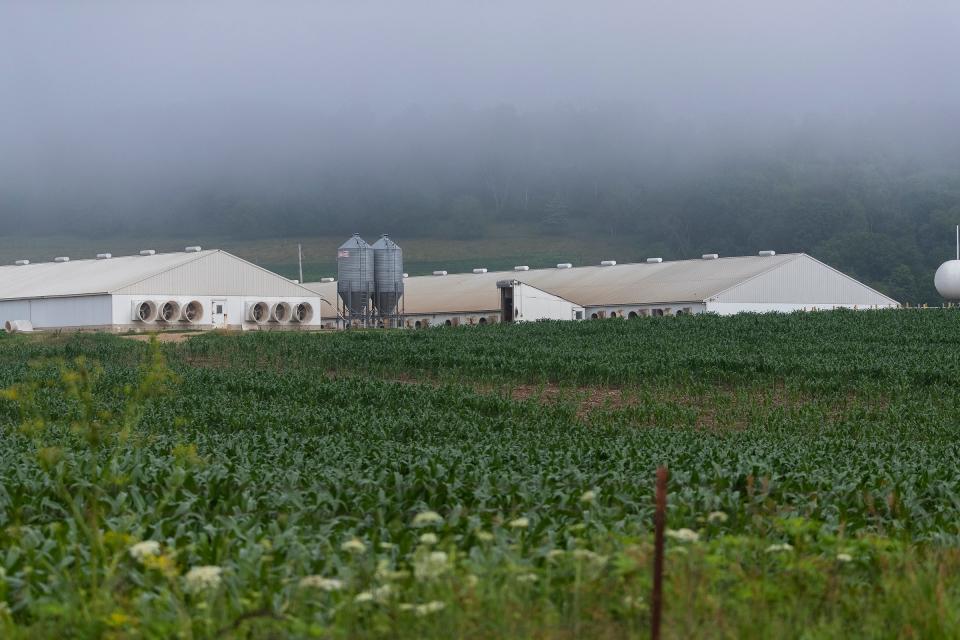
(486, 481)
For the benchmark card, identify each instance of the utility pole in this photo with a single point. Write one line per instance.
(300, 260)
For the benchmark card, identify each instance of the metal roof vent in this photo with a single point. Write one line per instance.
(328, 279)
(62, 259)
(193, 249)
(480, 270)
(521, 267)
(710, 256)
(767, 254)
(564, 265)
(608, 263)
(439, 273)
(104, 256)
(294, 281)
(22, 263)
(654, 260)
(148, 252)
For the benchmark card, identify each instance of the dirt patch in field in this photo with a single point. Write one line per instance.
(716, 408)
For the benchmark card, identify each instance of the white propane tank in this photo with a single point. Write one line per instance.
(947, 277)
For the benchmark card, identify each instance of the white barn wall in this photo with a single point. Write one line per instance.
(532, 304)
(236, 306)
(624, 310)
(68, 312)
(730, 308)
(804, 282)
(216, 272)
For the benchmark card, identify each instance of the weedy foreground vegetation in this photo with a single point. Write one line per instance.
(486, 481)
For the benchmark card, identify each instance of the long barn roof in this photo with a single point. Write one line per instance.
(636, 283)
(212, 271)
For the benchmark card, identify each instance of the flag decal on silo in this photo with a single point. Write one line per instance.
(343, 253)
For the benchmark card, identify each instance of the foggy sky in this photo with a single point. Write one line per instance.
(117, 104)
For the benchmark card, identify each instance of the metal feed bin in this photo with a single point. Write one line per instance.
(355, 281)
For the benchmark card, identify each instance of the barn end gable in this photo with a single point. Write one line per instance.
(807, 281)
(217, 273)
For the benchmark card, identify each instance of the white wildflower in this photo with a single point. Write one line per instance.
(203, 578)
(354, 545)
(556, 553)
(683, 535)
(319, 582)
(428, 538)
(527, 577)
(382, 593)
(472, 580)
(142, 550)
(593, 560)
(776, 548)
(519, 523)
(425, 518)
(430, 607)
(632, 602)
(387, 546)
(844, 557)
(484, 536)
(717, 516)
(406, 606)
(588, 496)
(430, 565)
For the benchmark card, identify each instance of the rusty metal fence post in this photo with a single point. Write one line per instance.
(659, 521)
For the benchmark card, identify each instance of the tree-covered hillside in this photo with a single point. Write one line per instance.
(876, 197)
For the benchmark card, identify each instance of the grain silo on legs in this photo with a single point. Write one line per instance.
(388, 282)
(355, 282)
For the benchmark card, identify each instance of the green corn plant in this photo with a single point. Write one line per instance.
(84, 467)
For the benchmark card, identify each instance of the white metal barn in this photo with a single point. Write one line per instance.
(763, 283)
(153, 291)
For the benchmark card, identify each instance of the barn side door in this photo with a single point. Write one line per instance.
(506, 301)
(218, 311)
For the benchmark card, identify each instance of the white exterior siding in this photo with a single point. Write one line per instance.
(803, 282)
(638, 310)
(531, 304)
(100, 294)
(69, 312)
(215, 273)
(730, 308)
(236, 307)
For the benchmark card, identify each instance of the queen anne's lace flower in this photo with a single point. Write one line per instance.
(319, 582)
(142, 550)
(683, 535)
(431, 565)
(203, 578)
(429, 607)
(426, 518)
(353, 545)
